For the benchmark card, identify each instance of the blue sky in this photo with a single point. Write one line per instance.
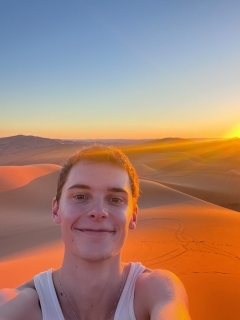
(129, 69)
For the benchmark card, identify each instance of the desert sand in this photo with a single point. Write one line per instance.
(177, 228)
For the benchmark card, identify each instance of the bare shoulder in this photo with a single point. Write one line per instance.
(162, 295)
(164, 282)
(20, 303)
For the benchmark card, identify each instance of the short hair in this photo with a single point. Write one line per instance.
(100, 154)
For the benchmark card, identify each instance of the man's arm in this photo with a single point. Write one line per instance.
(7, 295)
(166, 296)
(175, 310)
(19, 304)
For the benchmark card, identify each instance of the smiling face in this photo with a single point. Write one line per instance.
(95, 211)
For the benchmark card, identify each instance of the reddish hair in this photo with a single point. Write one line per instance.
(100, 154)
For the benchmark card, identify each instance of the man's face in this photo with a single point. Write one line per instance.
(95, 210)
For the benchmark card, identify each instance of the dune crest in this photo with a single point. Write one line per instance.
(12, 177)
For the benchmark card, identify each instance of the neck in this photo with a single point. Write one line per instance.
(90, 272)
(92, 288)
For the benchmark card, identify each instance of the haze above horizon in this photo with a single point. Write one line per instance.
(130, 70)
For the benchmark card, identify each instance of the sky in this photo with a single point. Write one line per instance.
(120, 69)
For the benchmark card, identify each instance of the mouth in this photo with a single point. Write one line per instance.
(96, 231)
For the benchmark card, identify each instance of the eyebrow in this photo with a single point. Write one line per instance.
(79, 186)
(114, 189)
(86, 187)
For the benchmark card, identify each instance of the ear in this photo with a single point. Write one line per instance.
(55, 212)
(133, 221)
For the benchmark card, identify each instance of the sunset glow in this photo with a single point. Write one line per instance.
(120, 70)
(234, 133)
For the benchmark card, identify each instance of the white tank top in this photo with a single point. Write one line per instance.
(51, 309)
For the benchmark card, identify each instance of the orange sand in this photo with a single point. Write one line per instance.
(195, 239)
(12, 177)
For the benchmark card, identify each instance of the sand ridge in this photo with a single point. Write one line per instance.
(12, 177)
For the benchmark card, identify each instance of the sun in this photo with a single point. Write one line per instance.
(233, 133)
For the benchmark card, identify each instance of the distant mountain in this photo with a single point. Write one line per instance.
(114, 141)
(21, 142)
(25, 150)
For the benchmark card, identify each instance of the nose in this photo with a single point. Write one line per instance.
(98, 212)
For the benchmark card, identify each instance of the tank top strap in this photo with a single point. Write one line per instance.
(50, 307)
(125, 307)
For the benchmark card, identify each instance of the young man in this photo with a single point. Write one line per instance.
(96, 205)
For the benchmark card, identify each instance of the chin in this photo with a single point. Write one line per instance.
(96, 258)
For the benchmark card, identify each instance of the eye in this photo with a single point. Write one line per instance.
(80, 197)
(115, 200)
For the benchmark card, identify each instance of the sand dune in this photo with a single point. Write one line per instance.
(179, 161)
(235, 171)
(170, 164)
(207, 179)
(27, 207)
(219, 188)
(46, 154)
(224, 155)
(20, 267)
(195, 239)
(143, 169)
(12, 177)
